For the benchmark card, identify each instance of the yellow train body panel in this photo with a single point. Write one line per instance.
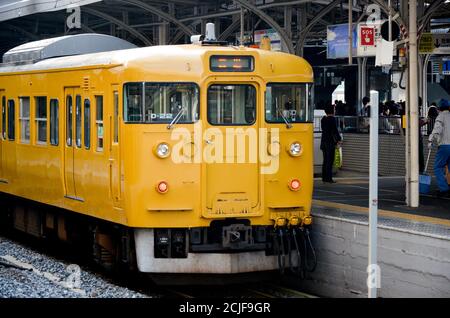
(118, 183)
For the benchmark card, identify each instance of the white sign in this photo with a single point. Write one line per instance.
(368, 36)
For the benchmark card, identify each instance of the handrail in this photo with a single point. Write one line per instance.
(391, 125)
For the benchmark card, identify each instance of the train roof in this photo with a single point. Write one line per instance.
(67, 45)
(159, 57)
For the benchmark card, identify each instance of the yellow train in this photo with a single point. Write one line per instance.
(170, 159)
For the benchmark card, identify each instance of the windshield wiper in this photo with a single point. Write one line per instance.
(288, 124)
(177, 118)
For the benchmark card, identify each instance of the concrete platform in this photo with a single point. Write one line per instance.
(413, 244)
(353, 189)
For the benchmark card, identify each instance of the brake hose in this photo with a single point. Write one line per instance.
(299, 264)
(310, 269)
(281, 259)
(288, 238)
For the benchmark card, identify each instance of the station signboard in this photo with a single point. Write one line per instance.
(337, 41)
(365, 39)
(434, 43)
(445, 67)
(369, 35)
(366, 35)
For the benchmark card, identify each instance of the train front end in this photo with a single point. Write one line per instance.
(220, 178)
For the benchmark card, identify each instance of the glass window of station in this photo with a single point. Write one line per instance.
(289, 101)
(161, 102)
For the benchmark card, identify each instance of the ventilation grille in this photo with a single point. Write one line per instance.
(86, 83)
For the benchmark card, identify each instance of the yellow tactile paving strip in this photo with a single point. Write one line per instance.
(383, 213)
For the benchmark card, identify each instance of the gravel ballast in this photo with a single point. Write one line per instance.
(25, 273)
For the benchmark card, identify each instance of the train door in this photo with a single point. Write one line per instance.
(114, 157)
(3, 129)
(232, 175)
(77, 145)
(70, 96)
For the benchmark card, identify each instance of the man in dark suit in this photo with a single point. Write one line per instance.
(330, 139)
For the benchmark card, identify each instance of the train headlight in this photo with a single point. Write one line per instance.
(295, 149)
(162, 150)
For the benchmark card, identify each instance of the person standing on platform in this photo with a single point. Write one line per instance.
(365, 110)
(330, 139)
(441, 136)
(433, 112)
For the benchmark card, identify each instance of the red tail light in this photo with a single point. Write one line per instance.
(294, 185)
(162, 187)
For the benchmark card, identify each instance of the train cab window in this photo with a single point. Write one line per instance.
(11, 120)
(289, 102)
(134, 96)
(99, 121)
(231, 104)
(4, 118)
(87, 124)
(69, 105)
(78, 121)
(161, 102)
(54, 122)
(24, 119)
(41, 119)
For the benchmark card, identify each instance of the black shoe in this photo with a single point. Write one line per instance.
(328, 181)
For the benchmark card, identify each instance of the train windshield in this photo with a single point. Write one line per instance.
(160, 102)
(289, 102)
(231, 104)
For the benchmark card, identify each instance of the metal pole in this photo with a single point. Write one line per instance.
(407, 146)
(413, 103)
(358, 105)
(425, 84)
(373, 191)
(350, 32)
(390, 21)
(242, 26)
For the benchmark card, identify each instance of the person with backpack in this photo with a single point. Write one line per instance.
(441, 136)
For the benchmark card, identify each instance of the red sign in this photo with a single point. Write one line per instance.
(367, 36)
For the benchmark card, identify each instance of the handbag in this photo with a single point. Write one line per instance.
(337, 163)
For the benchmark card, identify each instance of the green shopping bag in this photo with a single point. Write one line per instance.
(337, 163)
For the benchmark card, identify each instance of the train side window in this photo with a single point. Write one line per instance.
(69, 120)
(4, 118)
(11, 120)
(116, 116)
(87, 124)
(99, 121)
(54, 122)
(78, 121)
(24, 119)
(41, 119)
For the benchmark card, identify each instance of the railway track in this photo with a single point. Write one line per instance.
(36, 258)
(265, 290)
